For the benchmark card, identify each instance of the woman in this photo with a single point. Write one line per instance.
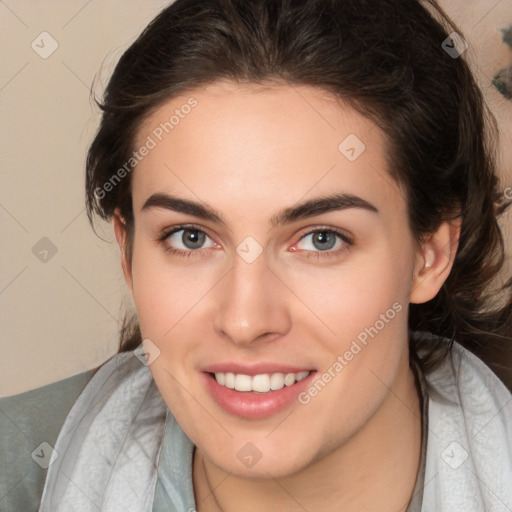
(306, 206)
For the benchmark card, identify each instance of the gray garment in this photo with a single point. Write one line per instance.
(27, 420)
(109, 445)
(174, 489)
(417, 494)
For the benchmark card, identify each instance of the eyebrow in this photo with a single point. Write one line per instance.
(310, 208)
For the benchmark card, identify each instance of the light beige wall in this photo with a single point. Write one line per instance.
(60, 317)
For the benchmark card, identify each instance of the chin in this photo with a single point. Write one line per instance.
(262, 460)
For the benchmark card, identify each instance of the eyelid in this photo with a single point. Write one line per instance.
(345, 235)
(166, 232)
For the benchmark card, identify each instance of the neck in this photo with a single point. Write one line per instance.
(375, 469)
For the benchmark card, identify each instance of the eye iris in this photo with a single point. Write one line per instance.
(192, 239)
(324, 240)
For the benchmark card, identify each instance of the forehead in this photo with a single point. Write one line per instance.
(259, 142)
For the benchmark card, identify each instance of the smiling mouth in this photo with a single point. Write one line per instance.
(261, 383)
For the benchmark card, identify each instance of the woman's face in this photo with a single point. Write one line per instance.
(267, 279)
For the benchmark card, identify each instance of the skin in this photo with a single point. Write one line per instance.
(249, 151)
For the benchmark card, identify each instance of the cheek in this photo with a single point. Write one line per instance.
(365, 306)
(164, 294)
(165, 289)
(351, 297)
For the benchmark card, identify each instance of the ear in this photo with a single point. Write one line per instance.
(121, 237)
(434, 261)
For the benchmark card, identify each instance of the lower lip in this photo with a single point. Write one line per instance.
(254, 405)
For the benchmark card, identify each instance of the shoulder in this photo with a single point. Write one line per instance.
(469, 450)
(118, 418)
(30, 423)
(466, 382)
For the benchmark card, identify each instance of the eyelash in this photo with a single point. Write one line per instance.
(348, 242)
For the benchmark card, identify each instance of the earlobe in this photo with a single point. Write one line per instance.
(121, 237)
(434, 262)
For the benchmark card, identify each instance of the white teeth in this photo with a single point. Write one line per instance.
(277, 381)
(229, 379)
(243, 382)
(289, 379)
(302, 375)
(262, 383)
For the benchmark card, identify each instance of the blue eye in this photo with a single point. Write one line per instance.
(323, 241)
(191, 239)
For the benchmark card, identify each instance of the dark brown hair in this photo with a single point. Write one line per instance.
(386, 59)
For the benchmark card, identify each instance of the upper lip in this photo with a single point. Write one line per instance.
(254, 369)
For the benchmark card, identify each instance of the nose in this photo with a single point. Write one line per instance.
(251, 304)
